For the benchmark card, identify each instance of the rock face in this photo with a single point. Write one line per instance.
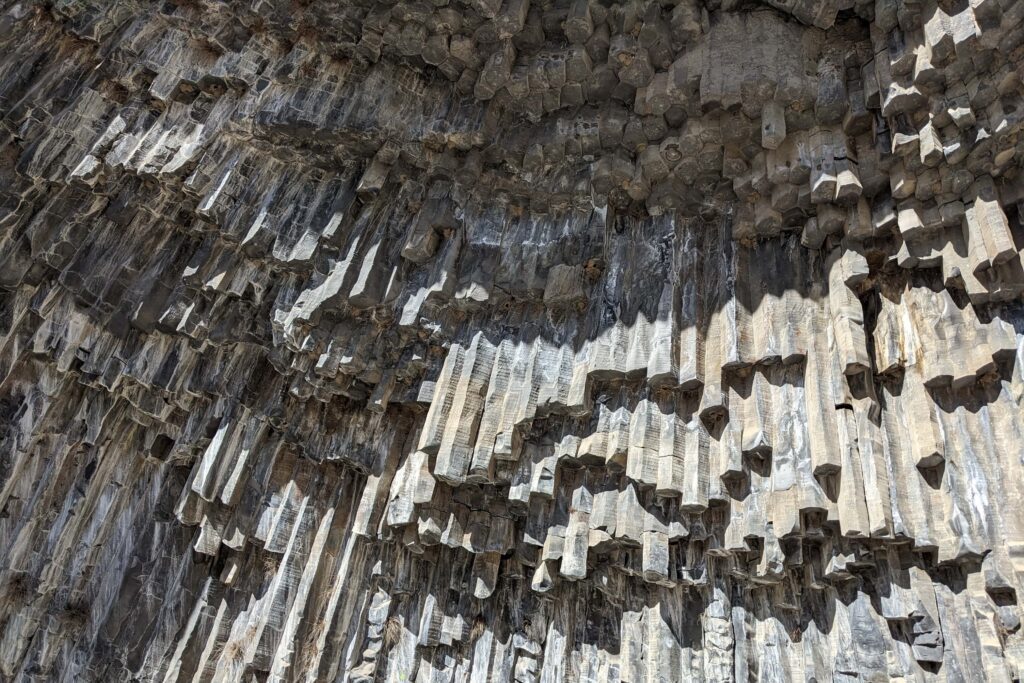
(511, 340)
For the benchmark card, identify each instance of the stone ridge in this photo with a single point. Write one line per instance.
(511, 340)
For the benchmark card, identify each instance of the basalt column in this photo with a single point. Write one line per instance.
(511, 340)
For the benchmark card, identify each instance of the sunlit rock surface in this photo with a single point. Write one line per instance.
(511, 340)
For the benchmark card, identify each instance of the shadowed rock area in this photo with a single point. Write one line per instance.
(511, 340)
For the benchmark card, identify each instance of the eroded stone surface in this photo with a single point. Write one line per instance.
(502, 340)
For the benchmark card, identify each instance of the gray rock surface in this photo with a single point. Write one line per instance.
(511, 340)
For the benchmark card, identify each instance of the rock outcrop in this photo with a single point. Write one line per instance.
(511, 340)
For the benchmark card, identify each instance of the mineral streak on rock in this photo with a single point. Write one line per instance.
(511, 340)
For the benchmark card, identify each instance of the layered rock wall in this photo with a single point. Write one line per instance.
(511, 340)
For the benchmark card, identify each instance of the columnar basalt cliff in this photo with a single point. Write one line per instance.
(511, 340)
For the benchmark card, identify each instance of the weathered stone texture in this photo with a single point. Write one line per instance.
(511, 340)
